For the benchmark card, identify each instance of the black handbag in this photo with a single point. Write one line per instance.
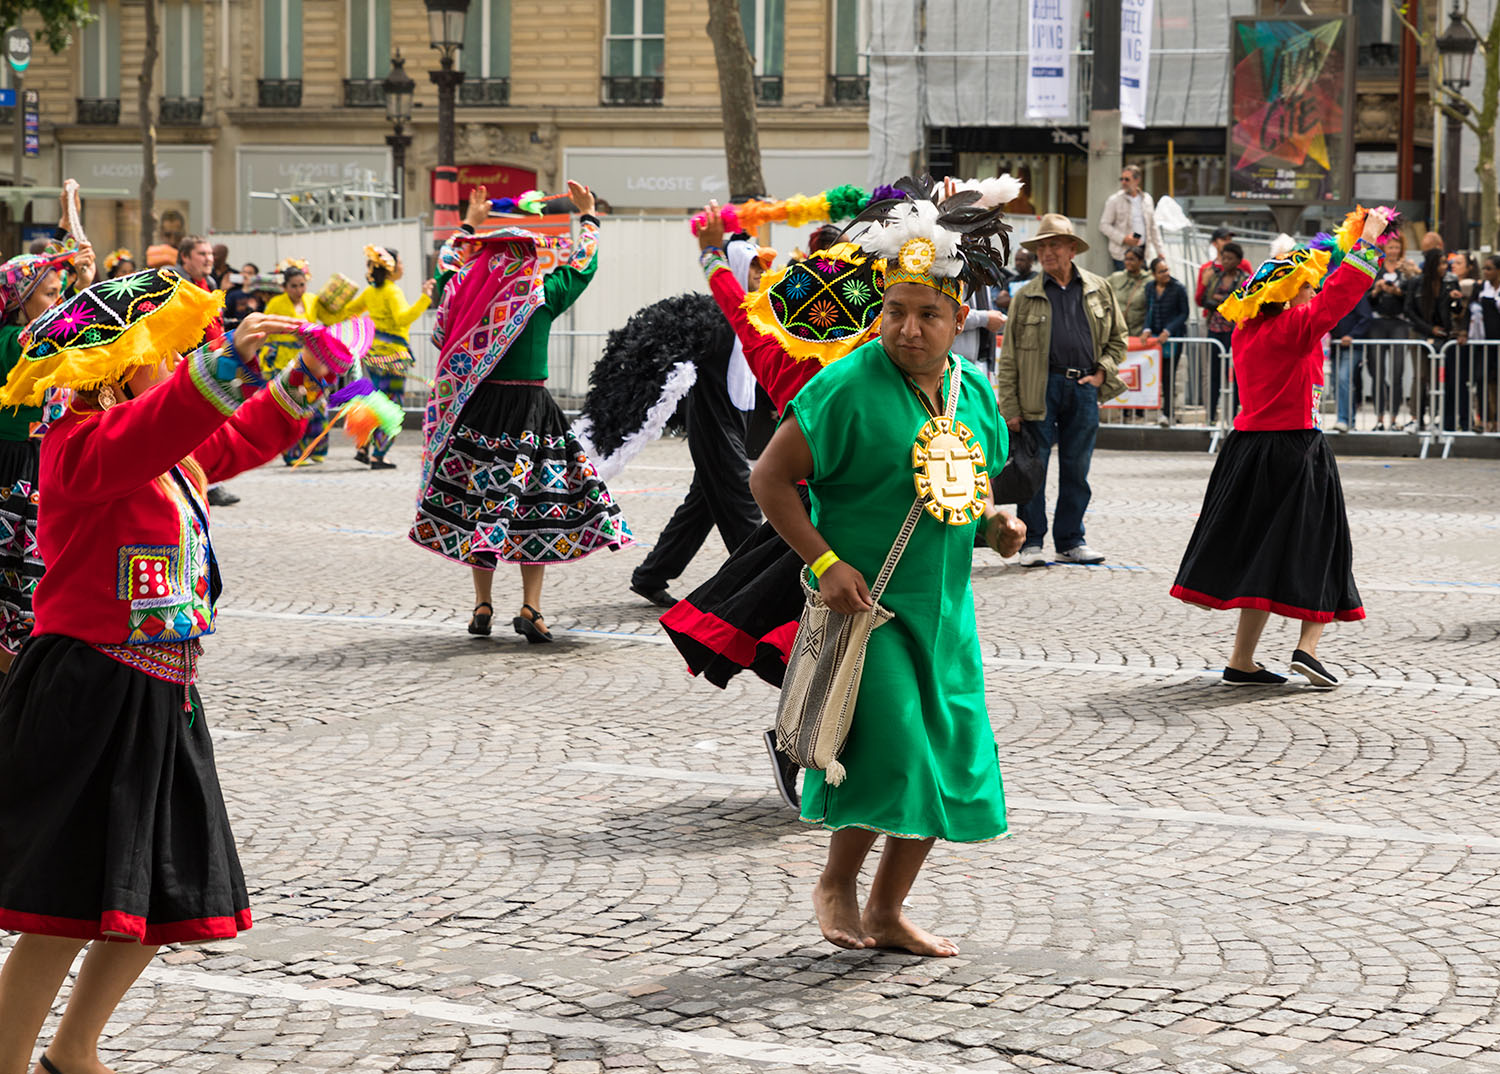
(1024, 471)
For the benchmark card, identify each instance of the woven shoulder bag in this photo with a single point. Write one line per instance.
(828, 657)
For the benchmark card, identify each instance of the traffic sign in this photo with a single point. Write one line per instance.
(7, 98)
(18, 47)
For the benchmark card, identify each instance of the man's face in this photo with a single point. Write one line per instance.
(1129, 183)
(918, 325)
(221, 254)
(198, 261)
(754, 275)
(1055, 255)
(1025, 262)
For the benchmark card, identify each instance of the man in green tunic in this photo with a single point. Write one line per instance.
(921, 759)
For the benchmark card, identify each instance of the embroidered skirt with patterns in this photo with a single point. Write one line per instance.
(20, 559)
(1273, 534)
(514, 485)
(746, 615)
(112, 823)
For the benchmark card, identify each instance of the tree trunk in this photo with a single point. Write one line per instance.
(1489, 114)
(148, 129)
(737, 99)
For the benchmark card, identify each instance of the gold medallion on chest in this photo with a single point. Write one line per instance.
(950, 472)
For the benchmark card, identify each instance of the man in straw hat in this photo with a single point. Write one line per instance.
(1064, 341)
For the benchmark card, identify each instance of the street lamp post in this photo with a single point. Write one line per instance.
(1456, 53)
(399, 90)
(445, 30)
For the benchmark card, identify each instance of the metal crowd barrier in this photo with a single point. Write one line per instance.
(1465, 385)
(1197, 390)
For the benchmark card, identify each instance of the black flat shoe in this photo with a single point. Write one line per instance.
(1315, 673)
(531, 629)
(1260, 677)
(362, 456)
(784, 770)
(381, 464)
(657, 595)
(47, 1064)
(479, 625)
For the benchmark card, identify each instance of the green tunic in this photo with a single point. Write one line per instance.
(15, 421)
(921, 756)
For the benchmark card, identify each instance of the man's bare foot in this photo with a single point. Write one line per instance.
(838, 916)
(901, 935)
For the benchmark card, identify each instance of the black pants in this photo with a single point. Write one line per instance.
(1458, 410)
(719, 496)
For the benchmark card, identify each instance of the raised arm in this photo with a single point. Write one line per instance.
(1341, 293)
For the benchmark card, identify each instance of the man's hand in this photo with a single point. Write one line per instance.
(1463, 338)
(844, 589)
(582, 197)
(257, 326)
(1004, 532)
(478, 209)
(712, 232)
(1346, 340)
(1094, 379)
(1013, 424)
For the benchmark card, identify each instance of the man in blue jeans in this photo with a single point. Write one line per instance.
(1064, 341)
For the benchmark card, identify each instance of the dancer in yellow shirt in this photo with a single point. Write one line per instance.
(391, 356)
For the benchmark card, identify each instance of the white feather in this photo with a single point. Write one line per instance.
(995, 191)
(679, 382)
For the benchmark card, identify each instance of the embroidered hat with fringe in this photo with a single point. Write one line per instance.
(24, 273)
(105, 333)
(1281, 278)
(944, 244)
(823, 307)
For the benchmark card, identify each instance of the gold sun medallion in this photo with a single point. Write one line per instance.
(950, 472)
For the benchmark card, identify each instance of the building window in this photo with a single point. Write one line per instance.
(849, 69)
(99, 60)
(369, 53)
(182, 62)
(1379, 33)
(486, 54)
(281, 55)
(765, 33)
(634, 52)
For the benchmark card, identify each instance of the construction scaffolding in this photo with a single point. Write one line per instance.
(362, 199)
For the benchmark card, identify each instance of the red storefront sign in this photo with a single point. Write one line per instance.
(502, 181)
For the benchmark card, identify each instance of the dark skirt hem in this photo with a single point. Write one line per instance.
(117, 925)
(718, 650)
(1266, 605)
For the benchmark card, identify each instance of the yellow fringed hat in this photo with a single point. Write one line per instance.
(821, 308)
(105, 333)
(1277, 280)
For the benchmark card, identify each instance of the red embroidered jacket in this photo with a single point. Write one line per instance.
(127, 560)
(781, 375)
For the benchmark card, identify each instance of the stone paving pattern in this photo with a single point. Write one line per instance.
(475, 855)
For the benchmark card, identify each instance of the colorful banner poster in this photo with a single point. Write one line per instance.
(1049, 59)
(1289, 140)
(1135, 61)
(1141, 374)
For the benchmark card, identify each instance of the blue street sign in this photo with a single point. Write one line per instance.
(7, 98)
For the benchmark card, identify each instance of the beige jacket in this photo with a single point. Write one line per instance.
(1022, 388)
(1116, 226)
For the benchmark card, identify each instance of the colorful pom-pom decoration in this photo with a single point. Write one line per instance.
(370, 412)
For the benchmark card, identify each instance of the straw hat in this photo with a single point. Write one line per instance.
(1056, 226)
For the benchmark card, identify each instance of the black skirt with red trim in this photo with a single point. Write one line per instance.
(112, 824)
(746, 615)
(1273, 533)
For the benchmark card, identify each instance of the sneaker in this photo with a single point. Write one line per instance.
(1315, 673)
(1033, 556)
(1081, 553)
(1261, 677)
(1163, 421)
(219, 496)
(1341, 426)
(656, 594)
(785, 771)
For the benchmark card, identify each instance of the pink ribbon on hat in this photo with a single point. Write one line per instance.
(341, 345)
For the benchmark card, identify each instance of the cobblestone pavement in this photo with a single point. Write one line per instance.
(474, 855)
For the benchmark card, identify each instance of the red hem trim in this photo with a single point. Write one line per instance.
(721, 638)
(1192, 596)
(783, 637)
(116, 925)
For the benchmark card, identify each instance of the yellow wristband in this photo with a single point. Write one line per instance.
(823, 562)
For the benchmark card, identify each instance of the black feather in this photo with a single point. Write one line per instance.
(959, 201)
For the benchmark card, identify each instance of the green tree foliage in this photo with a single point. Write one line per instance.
(59, 18)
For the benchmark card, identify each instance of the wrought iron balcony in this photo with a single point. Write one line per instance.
(99, 111)
(632, 90)
(280, 92)
(484, 92)
(768, 89)
(848, 89)
(181, 111)
(364, 93)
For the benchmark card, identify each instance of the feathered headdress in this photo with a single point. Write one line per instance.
(298, 264)
(1279, 279)
(944, 244)
(114, 257)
